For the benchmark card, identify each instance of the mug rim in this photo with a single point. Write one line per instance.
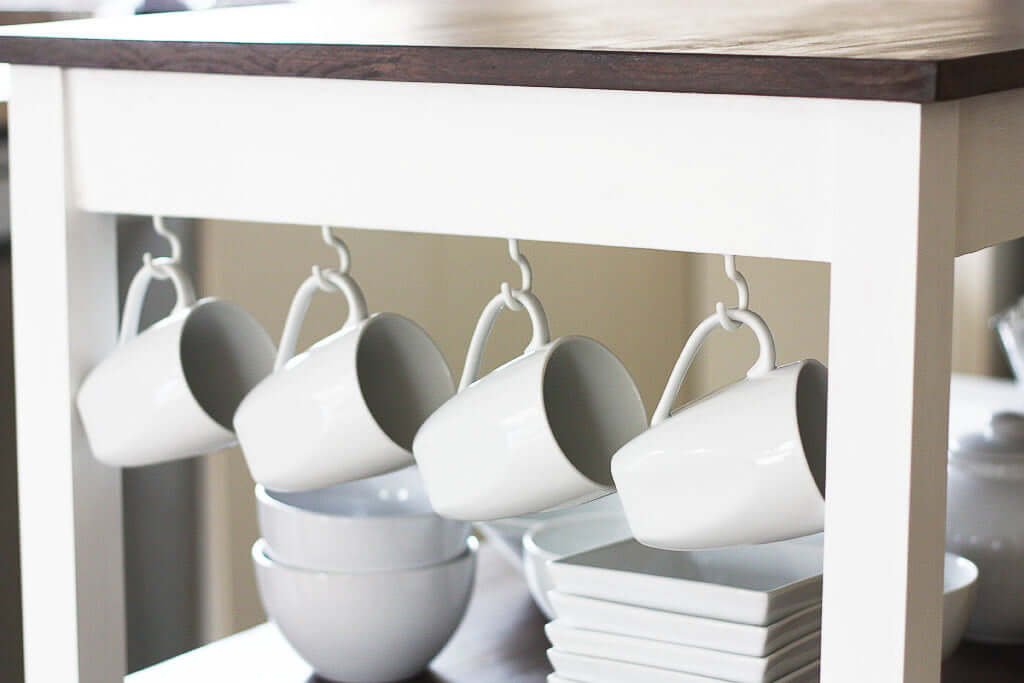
(257, 331)
(550, 349)
(807, 365)
(363, 327)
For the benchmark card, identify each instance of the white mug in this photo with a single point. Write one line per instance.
(745, 464)
(171, 391)
(536, 433)
(348, 407)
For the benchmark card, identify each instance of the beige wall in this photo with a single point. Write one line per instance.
(642, 304)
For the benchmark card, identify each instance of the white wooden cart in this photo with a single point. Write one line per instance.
(884, 140)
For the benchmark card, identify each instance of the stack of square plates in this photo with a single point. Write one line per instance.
(749, 614)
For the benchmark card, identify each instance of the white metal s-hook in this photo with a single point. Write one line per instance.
(742, 291)
(338, 244)
(344, 258)
(156, 265)
(527, 274)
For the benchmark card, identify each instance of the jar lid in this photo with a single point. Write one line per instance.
(1002, 436)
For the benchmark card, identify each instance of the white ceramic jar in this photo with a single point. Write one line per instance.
(985, 508)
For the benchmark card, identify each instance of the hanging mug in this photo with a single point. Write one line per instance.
(745, 464)
(171, 391)
(536, 433)
(349, 406)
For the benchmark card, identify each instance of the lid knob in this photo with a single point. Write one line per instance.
(1007, 427)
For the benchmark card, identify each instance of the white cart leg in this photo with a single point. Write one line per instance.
(890, 346)
(65, 317)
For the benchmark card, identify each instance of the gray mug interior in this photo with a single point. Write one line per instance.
(224, 353)
(403, 376)
(593, 406)
(812, 417)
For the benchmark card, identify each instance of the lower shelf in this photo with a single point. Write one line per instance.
(975, 663)
(502, 639)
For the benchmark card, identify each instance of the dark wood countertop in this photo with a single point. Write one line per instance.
(907, 50)
(501, 640)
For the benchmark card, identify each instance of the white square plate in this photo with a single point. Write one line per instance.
(583, 669)
(682, 629)
(693, 660)
(757, 584)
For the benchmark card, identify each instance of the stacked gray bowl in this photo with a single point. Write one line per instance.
(364, 580)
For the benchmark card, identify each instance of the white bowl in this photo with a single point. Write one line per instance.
(960, 578)
(560, 538)
(376, 524)
(508, 532)
(368, 627)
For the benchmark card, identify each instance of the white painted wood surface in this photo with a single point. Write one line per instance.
(751, 175)
(890, 344)
(65, 317)
(760, 176)
(888, 192)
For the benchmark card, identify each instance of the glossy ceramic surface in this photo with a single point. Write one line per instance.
(714, 634)
(366, 628)
(755, 585)
(376, 524)
(960, 581)
(973, 399)
(583, 669)
(536, 433)
(346, 409)
(697, 661)
(560, 538)
(508, 532)
(743, 465)
(171, 391)
(985, 504)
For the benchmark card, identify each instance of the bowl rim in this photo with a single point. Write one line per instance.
(967, 580)
(260, 558)
(265, 497)
(531, 546)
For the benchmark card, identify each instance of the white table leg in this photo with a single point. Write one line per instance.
(890, 346)
(65, 315)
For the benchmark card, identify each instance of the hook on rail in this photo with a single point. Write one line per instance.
(742, 292)
(527, 276)
(156, 265)
(344, 258)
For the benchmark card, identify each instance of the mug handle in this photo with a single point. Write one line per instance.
(765, 361)
(136, 296)
(300, 306)
(538, 320)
